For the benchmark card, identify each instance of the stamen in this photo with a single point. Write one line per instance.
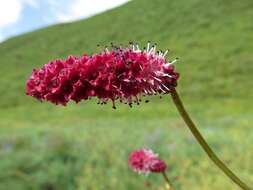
(106, 50)
(157, 79)
(151, 50)
(148, 45)
(154, 92)
(149, 92)
(161, 89)
(130, 101)
(165, 53)
(137, 100)
(174, 61)
(126, 80)
(113, 104)
(154, 48)
(165, 87)
(140, 96)
(133, 47)
(167, 75)
(137, 46)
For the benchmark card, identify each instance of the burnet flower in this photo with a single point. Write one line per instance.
(146, 161)
(122, 73)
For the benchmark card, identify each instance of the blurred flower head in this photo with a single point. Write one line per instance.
(145, 161)
(122, 73)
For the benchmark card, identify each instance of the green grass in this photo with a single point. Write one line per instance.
(86, 146)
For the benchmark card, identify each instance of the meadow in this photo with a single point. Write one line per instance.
(86, 146)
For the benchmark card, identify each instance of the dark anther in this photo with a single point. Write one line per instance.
(114, 107)
(146, 101)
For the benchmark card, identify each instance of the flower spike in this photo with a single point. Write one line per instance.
(146, 161)
(117, 73)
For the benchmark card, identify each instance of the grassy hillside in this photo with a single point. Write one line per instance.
(85, 146)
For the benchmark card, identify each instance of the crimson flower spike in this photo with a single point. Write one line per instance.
(145, 161)
(120, 73)
(123, 74)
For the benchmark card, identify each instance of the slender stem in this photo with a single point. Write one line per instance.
(167, 181)
(203, 143)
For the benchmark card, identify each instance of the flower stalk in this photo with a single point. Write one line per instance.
(170, 187)
(177, 101)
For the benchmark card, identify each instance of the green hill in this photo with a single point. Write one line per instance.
(74, 149)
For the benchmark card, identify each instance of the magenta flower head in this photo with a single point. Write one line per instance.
(145, 161)
(122, 73)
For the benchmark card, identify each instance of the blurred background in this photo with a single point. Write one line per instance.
(86, 146)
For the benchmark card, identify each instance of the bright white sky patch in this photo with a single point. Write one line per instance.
(19, 16)
(10, 12)
(86, 8)
(32, 3)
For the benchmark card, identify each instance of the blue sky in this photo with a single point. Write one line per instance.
(20, 16)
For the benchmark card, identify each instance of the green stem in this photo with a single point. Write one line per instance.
(203, 143)
(167, 181)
